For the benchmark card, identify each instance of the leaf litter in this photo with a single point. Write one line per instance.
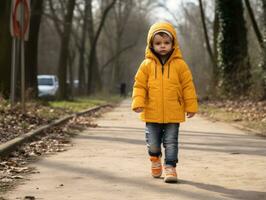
(248, 112)
(54, 140)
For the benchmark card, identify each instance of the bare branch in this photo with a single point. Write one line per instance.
(254, 23)
(206, 34)
(103, 67)
(55, 18)
(161, 5)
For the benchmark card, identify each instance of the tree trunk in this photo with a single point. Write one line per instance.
(82, 48)
(215, 31)
(121, 15)
(5, 48)
(31, 49)
(94, 78)
(211, 55)
(118, 19)
(206, 33)
(62, 67)
(116, 70)
(216, 73)
(264, 50)
(70, 85)
(92, 60)
(232, 48)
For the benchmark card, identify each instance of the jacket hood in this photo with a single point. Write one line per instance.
(162, 26)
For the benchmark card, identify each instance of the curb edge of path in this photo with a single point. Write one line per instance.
(246, 129)
(11, 145)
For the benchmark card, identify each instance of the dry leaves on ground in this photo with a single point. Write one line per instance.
(13, 122)
(248, 110)
(54, 140)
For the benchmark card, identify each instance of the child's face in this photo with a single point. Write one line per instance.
(162, 44)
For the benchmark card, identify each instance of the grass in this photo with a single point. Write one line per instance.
(15, 121)
(83, 103)
(56, 109)
(51, 110)
(76, 105)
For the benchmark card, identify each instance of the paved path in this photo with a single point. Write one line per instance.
(109, 162)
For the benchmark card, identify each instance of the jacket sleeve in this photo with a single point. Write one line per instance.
(140, 87)
(188, 88)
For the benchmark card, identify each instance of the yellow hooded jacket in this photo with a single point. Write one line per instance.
(166, 95)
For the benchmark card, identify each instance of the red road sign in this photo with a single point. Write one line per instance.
(20, 28)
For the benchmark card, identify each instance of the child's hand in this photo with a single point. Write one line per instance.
(138, 110)
(190, 114)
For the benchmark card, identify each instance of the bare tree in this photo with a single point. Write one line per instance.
(58, 23)
(264, 49)
(206, 33)
(98, 73)
(113, 58)
(5, 48)
(31, 49)
(254, 23)
(62, 66)
(93, 70)
(192, 43)
(121, 15)
(82, 47)
(210, 52)
(70, 62)
(127, 21)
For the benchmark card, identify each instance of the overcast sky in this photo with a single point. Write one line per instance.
(173, 6)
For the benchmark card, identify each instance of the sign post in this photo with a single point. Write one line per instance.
(13, 71)
(19, 28)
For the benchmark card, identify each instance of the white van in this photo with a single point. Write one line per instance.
(47, 85)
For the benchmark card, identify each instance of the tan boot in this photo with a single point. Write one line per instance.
(156, 166)
(170, 175)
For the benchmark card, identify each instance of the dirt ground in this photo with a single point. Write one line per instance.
(217, 161)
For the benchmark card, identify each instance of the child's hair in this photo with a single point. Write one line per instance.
(161, 34)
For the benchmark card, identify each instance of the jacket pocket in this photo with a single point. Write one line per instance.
(180, 102)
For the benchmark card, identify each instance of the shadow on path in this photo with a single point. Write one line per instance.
(194, 133)
(235, 193)
(234, 147)
(137, 182)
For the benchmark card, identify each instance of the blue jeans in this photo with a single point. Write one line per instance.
(166, 134)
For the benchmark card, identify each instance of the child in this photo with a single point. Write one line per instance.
(163, 92)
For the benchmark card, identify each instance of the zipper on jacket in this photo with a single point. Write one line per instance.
(168, 70)
(155, 69)
(162, 93)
